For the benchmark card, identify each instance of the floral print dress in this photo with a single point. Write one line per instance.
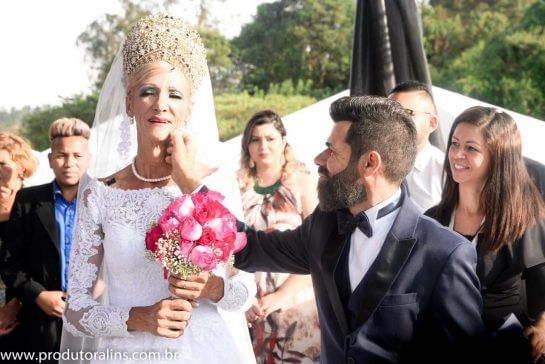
(292, 334)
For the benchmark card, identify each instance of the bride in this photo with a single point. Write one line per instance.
(129, 305)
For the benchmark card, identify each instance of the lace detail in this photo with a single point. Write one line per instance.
(109, 243)
(236, 292)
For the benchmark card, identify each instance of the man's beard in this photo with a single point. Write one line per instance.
(342, 190)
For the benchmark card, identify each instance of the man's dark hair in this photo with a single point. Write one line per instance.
(413, 86)
(382, 125)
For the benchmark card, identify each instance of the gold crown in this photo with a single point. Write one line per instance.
(165, 38)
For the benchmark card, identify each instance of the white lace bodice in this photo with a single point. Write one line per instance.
(110, 231)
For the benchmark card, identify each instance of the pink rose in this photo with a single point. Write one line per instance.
(240, 242)
(207, 236)
(209, 210)
(203, 257)
(215, 196)
(168, 222)
(223, 250)
(185, 247)
(151, 238)
(181, 207)
(190, 229)
(223, 227)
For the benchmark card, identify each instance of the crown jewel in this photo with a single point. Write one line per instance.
(165, 38)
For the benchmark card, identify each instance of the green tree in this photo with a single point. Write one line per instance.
(512, 75)
(308, 40)
(35, 126)
(222, 71)
(102, 38)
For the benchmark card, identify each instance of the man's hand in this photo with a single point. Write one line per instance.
(203, 285)
(52, 302)
(181, 155)
(168, 318)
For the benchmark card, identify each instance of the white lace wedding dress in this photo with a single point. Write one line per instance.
(110, 230)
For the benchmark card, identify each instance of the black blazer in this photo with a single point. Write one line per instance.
(30, 264)
(536, 171)
(419, 298)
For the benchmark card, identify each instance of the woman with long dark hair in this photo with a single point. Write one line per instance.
(490, 199)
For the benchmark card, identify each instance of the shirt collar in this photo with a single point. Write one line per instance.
(423, 157)
(56, 189)
(57, 193)
(373, 211)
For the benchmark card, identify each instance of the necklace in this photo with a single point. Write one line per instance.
(144, 179)
(268, 189)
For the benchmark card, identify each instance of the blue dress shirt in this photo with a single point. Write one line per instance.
(65, 217)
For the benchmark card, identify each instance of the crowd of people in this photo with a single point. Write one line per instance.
(400, 254)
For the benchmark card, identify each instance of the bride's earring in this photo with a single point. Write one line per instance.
(132, 119)
(251, 163)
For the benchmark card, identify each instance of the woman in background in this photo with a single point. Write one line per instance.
(16, 164)
(490, 199)
(277, 194)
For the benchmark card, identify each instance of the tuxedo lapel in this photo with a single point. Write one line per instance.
(330, 261)
(383, 272)
(45, 210)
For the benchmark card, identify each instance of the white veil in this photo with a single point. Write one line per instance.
(113, 145)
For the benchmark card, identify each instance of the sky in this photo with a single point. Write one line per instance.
(39, 59)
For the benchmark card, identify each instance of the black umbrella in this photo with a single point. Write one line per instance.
(388, 49)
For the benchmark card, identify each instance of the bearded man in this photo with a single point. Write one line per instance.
(391, 285)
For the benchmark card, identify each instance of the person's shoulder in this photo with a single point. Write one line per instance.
(35, 192)
(302, 179)
(438, 236)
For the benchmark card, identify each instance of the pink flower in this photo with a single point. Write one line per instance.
(168, 222)
(151, 238)
(203, 257)
(207, 236)
(223, 250)
(215, 196)
(209, 210)
(185, 248)
(223, 227)
(181, 207)
(190, 229)
(240, 242)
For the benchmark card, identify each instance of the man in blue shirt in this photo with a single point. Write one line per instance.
(36, 254)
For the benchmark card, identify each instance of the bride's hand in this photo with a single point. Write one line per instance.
(168, 318)
(203, 285)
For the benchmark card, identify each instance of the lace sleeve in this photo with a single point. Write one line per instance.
(238, 292)
(84, 315)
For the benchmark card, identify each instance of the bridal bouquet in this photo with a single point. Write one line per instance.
(194, 233)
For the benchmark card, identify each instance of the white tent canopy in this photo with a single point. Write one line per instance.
(309, 128)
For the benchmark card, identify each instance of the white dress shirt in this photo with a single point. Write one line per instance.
(425, 179)
(364, 250)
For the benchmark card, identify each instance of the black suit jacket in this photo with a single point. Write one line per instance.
(536, 171)
(419, 299)
(30, 264)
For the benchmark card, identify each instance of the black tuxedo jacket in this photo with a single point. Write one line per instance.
(418, 303)
(536, 171)
(30, 264)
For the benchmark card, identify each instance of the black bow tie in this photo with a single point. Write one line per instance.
(348, 223)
